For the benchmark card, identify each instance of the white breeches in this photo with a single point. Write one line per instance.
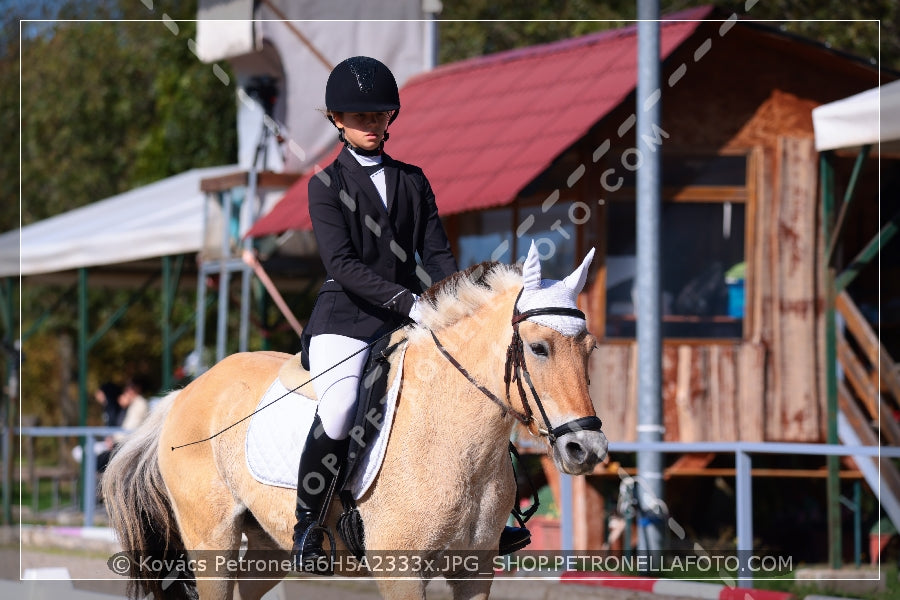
(336, 383)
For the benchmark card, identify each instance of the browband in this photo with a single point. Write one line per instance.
(556, 311)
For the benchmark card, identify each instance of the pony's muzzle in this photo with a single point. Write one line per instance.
(578, 452)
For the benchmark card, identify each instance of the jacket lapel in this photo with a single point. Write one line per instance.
(362, 180)
(391, 176)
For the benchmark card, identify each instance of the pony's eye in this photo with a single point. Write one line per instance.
(540, 349)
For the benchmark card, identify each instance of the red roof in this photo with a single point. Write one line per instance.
(484, 128)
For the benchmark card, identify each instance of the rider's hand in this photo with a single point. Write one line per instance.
(415, 313)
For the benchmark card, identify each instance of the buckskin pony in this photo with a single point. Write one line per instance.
(497, 345)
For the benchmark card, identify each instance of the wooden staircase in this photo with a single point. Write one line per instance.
(869, 398)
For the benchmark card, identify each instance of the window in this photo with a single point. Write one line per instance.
(704, 230)
(505, 235)
(553, 233)
(703, 223)
(485, 235)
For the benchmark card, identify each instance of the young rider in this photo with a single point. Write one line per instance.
(371, 216)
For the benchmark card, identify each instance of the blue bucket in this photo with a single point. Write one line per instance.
(736, 299)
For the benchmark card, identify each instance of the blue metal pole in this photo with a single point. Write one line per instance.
(744, 500)
(649, 428)
(566, 533)
(90, 481)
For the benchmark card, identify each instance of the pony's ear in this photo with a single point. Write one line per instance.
(575, 281)
(531, 270)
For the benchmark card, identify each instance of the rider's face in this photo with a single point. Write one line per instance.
(363, 129)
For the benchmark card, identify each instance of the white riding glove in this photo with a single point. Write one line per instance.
(415, 313)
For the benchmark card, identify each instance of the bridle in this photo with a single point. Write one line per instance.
(516, 370)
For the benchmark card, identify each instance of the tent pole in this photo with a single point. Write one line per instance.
(263, 312)
(200, 315)
(6, 408)
(171, 282)
(250, 259)
(224, 277)
(244, 333)
(83, 336)
(848, 198)
(869, 252)
(833, 483)
(166, 325)
(248, 210)
(82, 364)
(201, 306)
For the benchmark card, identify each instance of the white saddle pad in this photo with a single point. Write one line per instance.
(277, 433)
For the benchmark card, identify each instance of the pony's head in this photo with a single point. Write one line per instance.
(547, 358)
(556, 346)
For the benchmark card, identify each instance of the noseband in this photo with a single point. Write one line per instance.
(517, 370)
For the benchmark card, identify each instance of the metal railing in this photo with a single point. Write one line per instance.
(89, 436)
(742, 452)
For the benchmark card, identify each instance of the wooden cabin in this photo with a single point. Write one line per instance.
(538, 144)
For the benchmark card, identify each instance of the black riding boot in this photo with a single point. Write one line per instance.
(516, 538)
(321, 460)
(513, 538)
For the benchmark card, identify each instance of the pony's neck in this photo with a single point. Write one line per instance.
(479, 342)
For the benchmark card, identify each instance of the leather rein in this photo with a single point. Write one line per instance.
(516, 370)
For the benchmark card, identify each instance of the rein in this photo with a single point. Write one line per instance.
(517, 370)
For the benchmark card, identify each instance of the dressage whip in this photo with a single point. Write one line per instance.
(287, 393)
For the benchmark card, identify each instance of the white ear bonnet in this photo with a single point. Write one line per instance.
(547, 293)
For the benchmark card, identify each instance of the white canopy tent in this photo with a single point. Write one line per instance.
(865, 118)
(160, 219)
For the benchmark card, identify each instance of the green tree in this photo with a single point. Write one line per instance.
(110, 106)
(105, 107)
(477, 27)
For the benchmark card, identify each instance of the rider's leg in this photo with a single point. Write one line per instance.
(514, 538)
(326, 445)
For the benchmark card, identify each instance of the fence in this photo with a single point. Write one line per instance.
(89, 459)
(742, 451)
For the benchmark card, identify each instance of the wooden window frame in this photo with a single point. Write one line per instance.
(746, 195)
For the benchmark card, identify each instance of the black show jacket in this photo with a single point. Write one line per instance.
(369, 251)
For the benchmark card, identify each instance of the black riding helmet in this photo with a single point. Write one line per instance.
(362, 84)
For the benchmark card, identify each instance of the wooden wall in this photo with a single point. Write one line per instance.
(769, 385)
(711, 392)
